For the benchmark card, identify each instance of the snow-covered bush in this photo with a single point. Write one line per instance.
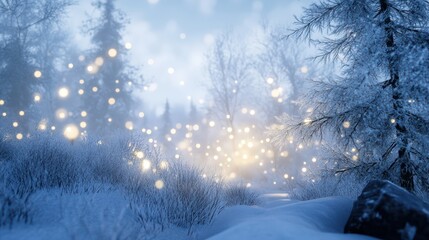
(191, 199)
(240, 195)
(327, 186)
(177, 195)
(14, 208)
(45, 162)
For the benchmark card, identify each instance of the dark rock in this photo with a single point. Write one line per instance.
(385, 210)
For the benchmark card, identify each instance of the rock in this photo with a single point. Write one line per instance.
(385, 210)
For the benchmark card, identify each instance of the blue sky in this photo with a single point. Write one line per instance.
(176, 34)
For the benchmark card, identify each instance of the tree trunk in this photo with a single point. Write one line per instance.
(403, 158)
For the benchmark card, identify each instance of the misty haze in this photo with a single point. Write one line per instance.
(210, 119)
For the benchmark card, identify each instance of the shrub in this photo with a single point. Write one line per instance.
(14, 208)
(346, 186)
(240, 195)
(45, 163)
(186, 199)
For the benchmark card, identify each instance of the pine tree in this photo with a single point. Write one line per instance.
(377, 108)
(108, 88)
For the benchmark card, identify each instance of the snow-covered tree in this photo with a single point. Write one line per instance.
(377, 108)
(229, 70)
(284, 73)
(20, 73)
(108, 88)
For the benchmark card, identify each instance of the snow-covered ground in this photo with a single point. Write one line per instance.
(106, 216)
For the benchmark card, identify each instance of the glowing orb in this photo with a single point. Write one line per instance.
(212, 123)
(71, 132)
(129, 125)
(141, 114)
(19, 136)
(112, 52)
(163, 165)
(270, 80)
(83, 124)
(170, 70)
(42, 126)
(21, 113)
(99, 61)
(61, 113)
(63, 92)
(128, 45)
(159, 184)
(146, 164)
(346, 124)
(37, 74)
(83, 113)
(304, 69)
(15, 124)
(111, 101)
(1, 102)
(275, 93)
(139, 154)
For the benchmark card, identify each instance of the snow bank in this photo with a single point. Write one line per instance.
(279, 218)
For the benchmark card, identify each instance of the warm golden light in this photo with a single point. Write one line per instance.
(111, 101)
(129, 125)
(61, 113)
(146, 164)
(112, 52)
(139, 154)
(99, 61)
(19, 136)
(159, 184)
(63, 92)
(346, 124)
(37, 74)
(71, 132)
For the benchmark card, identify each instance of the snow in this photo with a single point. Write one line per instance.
(279, 218)
(105, 215)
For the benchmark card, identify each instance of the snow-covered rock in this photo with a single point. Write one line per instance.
(387, 211)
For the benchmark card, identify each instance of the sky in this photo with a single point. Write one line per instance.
(171, 38)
